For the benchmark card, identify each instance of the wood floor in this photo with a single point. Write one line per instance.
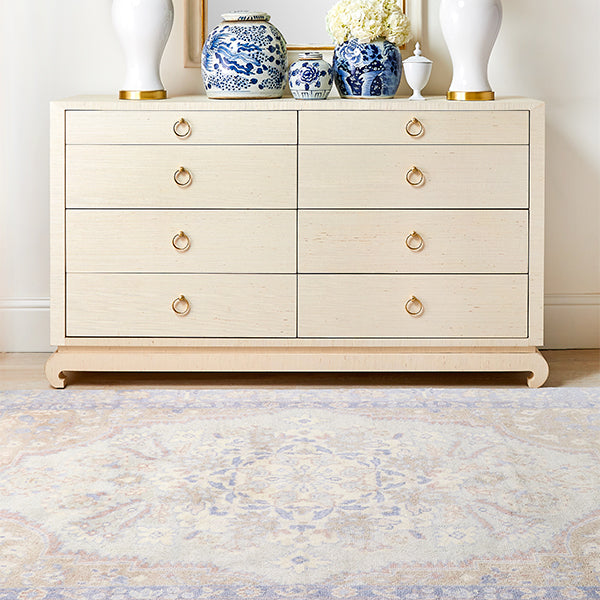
(568, 368)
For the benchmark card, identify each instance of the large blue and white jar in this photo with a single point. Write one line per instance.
(367, 70)
(245, 56)
(310, 77)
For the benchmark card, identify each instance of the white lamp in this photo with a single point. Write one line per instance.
(143, 28)
(470, 28)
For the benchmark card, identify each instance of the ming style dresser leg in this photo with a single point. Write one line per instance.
(54, 373)
(539, 370)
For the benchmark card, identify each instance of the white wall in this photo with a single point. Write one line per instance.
(55, 48)
(550, 50)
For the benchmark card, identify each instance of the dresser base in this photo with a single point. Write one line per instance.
(119, 359)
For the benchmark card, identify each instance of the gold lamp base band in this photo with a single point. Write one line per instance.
(137, 95)
(471, 96)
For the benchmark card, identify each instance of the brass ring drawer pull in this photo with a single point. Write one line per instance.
(181, 306)
(181, 237)
(414, 127)
(414, 241)
(413, 303)
(182, 177)
(415, 176)
(182, 129)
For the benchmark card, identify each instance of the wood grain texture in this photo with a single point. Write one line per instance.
(376, 177)
(219, 360)
(57, 224)
(285, 344)
(150, 127)
(537, 158)
(375, 241)
(568, 369)
(220, 305)
(480, 209)
(202, 103)
(365, 127)
(461, 306)
(220, 241)
(143, 177)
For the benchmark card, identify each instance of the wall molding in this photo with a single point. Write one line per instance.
(24, 303)
(571, 321)
(25, 325)
(572, 299)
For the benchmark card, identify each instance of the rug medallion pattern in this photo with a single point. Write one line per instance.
(328, 494)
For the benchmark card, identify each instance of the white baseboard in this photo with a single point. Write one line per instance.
(25, 325)
(572, 321)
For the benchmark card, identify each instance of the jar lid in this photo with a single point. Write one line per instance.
(245, 15)
(418, 56)
(310, 56)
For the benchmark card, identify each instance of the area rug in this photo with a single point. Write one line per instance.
(328, 494)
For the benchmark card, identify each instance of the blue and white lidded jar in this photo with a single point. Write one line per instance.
(367, 70)
(310, 77)
(244, 57)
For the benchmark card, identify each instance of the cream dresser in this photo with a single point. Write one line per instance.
(341, 235)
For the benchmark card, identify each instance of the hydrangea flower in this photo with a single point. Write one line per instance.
(368, 20)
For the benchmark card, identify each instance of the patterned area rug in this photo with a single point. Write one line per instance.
(325, 494)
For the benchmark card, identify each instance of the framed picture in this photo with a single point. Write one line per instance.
(301, 23)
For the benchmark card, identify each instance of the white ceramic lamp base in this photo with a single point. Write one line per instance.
(143, 28)
(470, 28)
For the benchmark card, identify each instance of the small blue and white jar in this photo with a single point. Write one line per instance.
(244, 57)
(367, 70)
(310, 77)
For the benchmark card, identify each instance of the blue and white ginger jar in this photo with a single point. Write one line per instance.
(370, 70)
(244, 57)
(311, 77)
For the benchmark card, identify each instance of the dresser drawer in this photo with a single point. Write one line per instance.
(129, 305)
(374, 306)
(430, 127)
(413, 241)
(159, 127)
(384, 177)
(147, 176)
(213, 241)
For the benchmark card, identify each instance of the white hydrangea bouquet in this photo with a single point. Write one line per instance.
(367, 21)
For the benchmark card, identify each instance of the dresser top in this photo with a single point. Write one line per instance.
(203, 103)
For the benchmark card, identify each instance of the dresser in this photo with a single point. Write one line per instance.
(285, 235)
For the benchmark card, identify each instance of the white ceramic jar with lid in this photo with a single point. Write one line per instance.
(310, 77)
(245, 56)
(417, 70)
